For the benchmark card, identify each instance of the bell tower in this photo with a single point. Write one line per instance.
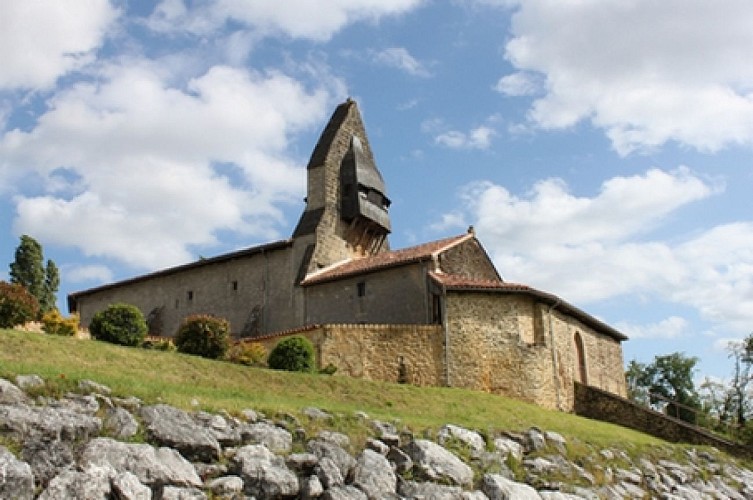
(346, 213)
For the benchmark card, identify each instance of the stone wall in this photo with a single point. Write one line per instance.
(601, 405)
(468, 259)
(392, 353)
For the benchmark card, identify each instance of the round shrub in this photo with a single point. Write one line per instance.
(122, 324)
(54, 323)
(247, 353)
(17, 305)
(294, 354)
(203, 335)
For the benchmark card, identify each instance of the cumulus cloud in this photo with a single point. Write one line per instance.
(400, 58)
(299, 18)
(476, 138)
(142, 171)
(646, 72)
(41, 41)
(87, 273)
(668, 328)
(589, 249)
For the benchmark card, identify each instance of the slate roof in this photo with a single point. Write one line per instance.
(383, 260)
(464, 284)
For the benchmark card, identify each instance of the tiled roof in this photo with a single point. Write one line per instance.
(383, 260)
(462, 283)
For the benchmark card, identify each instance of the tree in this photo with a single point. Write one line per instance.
(740, 401)
(668, 383)
(28, 271)
(17, 305)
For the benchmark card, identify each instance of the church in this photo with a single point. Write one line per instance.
(435, 314)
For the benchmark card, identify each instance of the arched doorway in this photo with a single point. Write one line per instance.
(580, 359)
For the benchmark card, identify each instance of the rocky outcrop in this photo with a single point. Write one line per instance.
(73, 447)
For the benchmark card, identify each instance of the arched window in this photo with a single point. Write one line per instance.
(580, 359)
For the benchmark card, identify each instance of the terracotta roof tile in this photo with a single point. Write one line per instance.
(383, 260)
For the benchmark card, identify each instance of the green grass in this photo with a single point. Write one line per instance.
(178, 379)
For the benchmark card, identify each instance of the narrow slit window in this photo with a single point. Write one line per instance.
(235, 286)
(361, 288)
(190, 295)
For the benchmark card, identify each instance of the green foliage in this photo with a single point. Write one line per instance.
(294, 354)
(17, 305)
(204, 335)
(247, 353)
(28, 271)
(54, 323)
(666, 382)
(122, 324)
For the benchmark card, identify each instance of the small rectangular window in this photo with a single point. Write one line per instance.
(235, 285)
(190, 295)
(361, 288)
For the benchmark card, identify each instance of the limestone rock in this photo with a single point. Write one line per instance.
(535, 439)
(471, 439)
(153, 467)
(24, 422)
(345, 463)
(498, 487)
(126, 486)
(226, 487)
(92, 484)
(508, 446)
(400, 459)
(316, 414)
(434, 491)
(435, 463)
(119, 423)
(17, 480)
(177, 493)
(47, 458)
(10, 393)
(222, 430)
(373, 475)
(264, 474)
(275, 438)
(311, 487)
(168, 426)
(344, 493)
(329, 473)
(337, 438)
(90, 386)
(31, 381)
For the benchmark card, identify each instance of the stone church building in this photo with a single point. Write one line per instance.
(435, 314)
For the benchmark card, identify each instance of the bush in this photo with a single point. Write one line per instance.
(122, 324)
(54, 323)
(247, 353)
(203, 335)
(17, 305)
(294, 354)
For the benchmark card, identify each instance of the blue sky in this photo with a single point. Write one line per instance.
(601, 149)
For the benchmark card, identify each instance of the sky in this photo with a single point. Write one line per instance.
(600, 148)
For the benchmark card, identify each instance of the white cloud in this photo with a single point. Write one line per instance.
(477, 138)
(299, 18)
(41, 41)
(646, 72)
(518, 84)
(87, 273)
(588, 249)
(670, 328)
(152, 170)
(400, 58)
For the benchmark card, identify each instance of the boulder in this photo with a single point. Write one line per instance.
(263, 473)
(316, 413)
(337, 438)
(311, 487)
(219, 427)
(92, 484)
(153, 467)
(274, 438)
(373, 475)
(329, 473)
(434, 491)
(126, 486)
(178, 493)
(345, 463)
(172, 427)
(47, 458)
(471, 439)
(90, 386)
(119, 423)
(26, 422)
(226, 487)
(27, 382)
(498, 487)
(344, 493)
(434, 463)
(17, 479)
(400, 460)
(10, 393)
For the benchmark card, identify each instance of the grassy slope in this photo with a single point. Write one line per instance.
(177, 379)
